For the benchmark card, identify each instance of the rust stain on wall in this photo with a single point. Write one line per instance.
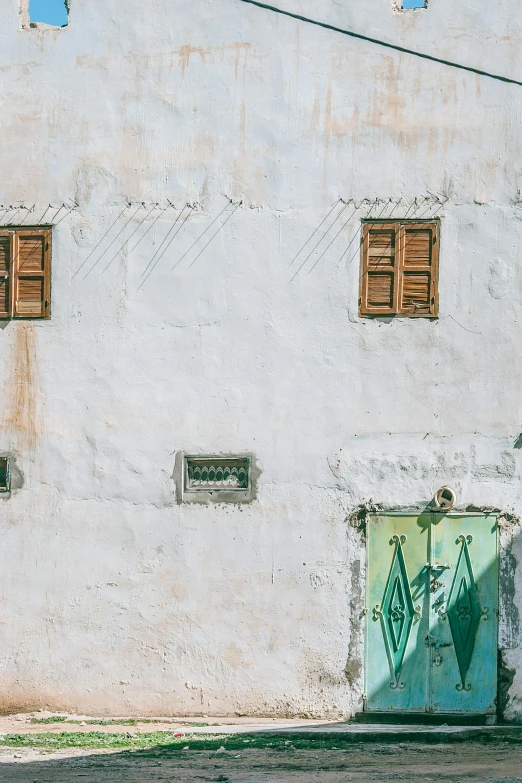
(316, 110)
(184, 55)
(180, 56)
(240, 48)
(21, 414)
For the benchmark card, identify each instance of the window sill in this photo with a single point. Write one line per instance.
(390, 316)
(43, 27)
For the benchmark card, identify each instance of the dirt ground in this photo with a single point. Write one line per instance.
(469, 761)
(42, 721)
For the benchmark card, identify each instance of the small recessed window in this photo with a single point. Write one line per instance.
(399, 268)
(5, 475)
(216, 479)
(208, 474)
(51, 12)
(413, 4)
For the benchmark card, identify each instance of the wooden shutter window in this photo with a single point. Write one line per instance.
(418, 269)
(32, 273)
(6, 255)
(380, 258)
(399, 269)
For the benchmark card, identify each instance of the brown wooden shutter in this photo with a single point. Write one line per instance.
(380, 263)
(6, 258)
(419, 253)
(32, 288)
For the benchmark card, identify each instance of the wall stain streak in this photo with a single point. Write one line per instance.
(21, 418)
(241, 49)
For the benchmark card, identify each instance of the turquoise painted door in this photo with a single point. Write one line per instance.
(432, 613)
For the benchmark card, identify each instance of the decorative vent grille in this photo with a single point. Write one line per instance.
(5, 475)
(207, 474)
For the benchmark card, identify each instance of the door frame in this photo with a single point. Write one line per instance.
(446, 515)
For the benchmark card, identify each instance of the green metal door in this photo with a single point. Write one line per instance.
(432, 613)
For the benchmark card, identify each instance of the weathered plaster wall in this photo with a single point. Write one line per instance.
(115, 599)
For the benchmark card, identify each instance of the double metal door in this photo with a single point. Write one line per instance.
(432, 613)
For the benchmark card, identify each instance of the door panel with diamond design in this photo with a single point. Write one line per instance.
(397, 613)
(465, 616)
(432, 613)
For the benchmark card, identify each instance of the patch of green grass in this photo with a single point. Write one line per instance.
(108, 722)
(103, 740)
(113, 721)
(88, 739)
(165, 741)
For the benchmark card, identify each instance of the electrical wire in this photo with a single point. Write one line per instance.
(385, 44)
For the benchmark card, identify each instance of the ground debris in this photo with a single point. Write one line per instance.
(330, 761)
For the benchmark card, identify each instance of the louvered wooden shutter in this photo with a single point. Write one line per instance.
(380, 262)
(6, 256)
(32, 268)
(418, 250)
(399, 269)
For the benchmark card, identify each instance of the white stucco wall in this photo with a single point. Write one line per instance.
(115, 599)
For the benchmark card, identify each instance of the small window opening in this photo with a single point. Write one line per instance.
(51, 12)
(400, 268)
(215, 479)
(413, 4)
(25, 272)
(5, 474)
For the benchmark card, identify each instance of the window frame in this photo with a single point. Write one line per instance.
(422, 7)
(15, 273)
(217, 494)
(27, 24)
(398, 268)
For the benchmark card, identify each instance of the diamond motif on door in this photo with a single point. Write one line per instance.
(464, 612)
(397, 612)
(395, 615)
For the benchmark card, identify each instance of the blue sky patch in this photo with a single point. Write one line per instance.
(48, 11)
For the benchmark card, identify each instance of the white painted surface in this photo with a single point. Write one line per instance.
(114, 598)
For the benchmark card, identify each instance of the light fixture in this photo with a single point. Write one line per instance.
(445, 498)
